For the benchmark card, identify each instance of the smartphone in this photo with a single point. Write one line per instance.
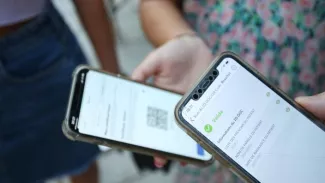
(113, 111)
(251, 126)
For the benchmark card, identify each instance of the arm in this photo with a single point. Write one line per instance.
(162, 20)
(100, 30)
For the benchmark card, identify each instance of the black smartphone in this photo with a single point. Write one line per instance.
(113, 111)
(251, 126)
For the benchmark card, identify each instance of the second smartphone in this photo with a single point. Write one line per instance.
(113, 111)
(251, 126)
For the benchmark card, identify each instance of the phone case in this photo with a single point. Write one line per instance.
(72, 135)
(196, 137)
(206, 145)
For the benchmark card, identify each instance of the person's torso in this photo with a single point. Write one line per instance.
(285, 40)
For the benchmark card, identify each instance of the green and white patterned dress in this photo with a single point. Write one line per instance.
(283, 39)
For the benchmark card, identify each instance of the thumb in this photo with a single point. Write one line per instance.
(315, 104)
(147, 68)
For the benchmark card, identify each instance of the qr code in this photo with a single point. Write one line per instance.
(157, 118)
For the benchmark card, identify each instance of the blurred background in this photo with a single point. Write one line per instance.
(132, 46)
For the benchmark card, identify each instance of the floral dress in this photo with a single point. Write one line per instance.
(283, 39)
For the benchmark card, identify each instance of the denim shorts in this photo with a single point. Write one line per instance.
(36, 65)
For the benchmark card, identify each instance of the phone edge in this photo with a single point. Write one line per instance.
(206, 145)
(72, 135)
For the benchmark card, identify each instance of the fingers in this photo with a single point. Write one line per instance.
(147, 68)
(315, 104)
(160, 162)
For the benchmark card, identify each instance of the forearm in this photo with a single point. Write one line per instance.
(100, 31)
(162, 20)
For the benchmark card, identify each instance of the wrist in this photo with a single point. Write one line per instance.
(186, 34)
(191, 37)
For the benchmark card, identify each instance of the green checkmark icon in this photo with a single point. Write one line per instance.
(208, 128)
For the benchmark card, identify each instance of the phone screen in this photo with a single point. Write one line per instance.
(259, 131)
(132, 113)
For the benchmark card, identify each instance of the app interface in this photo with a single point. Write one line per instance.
(258, 129)
(129, 112)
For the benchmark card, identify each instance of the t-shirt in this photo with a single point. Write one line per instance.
(14, 11)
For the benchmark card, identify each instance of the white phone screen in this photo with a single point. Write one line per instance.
(124, 111)
(257, 128)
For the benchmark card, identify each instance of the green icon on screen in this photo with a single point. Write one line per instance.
(268, 94)
(208, 128)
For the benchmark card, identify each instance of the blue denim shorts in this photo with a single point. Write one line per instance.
(36, 65)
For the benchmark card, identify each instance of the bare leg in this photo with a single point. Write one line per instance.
(90, 176)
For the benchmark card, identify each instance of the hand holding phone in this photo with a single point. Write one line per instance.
(113, 111)
(251, 126)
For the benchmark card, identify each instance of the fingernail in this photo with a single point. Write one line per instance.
(301, 99)
(306, 99)
(320, 96)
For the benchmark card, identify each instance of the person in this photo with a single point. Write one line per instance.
(284, 40)
(38, 54)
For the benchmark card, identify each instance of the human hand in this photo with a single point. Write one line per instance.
(315, 104)
(175, 66)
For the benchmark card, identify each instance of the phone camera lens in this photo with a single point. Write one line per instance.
(195, 96)
(211, 78)
(215, 73)
(200, 90)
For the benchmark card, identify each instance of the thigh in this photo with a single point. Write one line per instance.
(31, 140)
(35, 77)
